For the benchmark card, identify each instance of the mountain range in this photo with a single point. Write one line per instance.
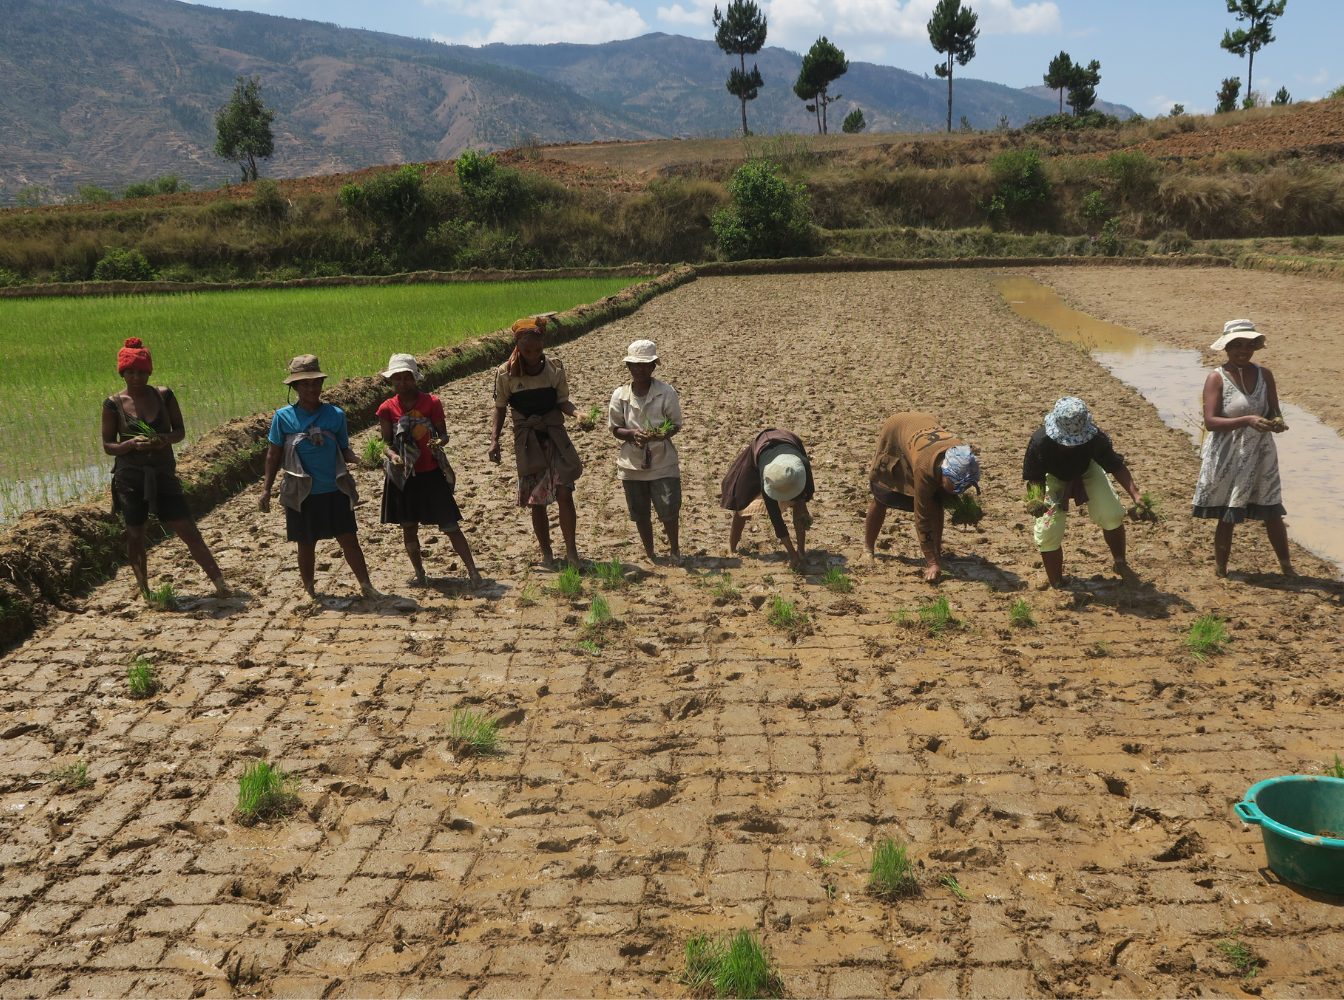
(109, 91)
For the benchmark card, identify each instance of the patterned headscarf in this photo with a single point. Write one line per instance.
(134, 356)
(962, 467)
(523, 328)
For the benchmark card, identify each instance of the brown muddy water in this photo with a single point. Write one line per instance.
(1311, 454)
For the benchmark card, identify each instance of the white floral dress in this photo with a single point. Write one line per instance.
(1239, 478)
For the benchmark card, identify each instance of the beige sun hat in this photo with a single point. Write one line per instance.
(784, 477)
(641, 352)
(402, 363)
(304, 367)
(1237, 329)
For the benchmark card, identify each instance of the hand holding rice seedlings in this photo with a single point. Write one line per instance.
(965, 509)
(373, 452)
(589, 420)
(1207, 635)
(785, 614)
(471, 732)
(658, 432)
(892, 872)
(1019, 615)
(72, 777)
(162, 598)
(569, 582)
(1036, 502)
(837, 580)
(937, 617)
(141, 679)
(950, 882)
(1277, 425)
(1146, 510)
(143, 429)
(737, 965)
(266, 791)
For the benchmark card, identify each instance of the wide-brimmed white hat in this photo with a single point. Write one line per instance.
(1237, 329)
(784, 477)
(641, 352)
(402, 363)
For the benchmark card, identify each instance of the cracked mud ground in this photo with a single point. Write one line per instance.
(1076, 778)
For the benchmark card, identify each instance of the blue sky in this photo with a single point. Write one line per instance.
(1152, 52)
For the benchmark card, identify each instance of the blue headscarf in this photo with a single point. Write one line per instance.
(962, 467)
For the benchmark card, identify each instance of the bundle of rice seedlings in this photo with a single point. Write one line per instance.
(1146, 509)
(785, 614)
(1035, 501)
(473, 733)
(599, 613)
(736, 965)
(570, 582)
(141, 679)
(965, 509)
(892, 872)
(1208, 634)
(937, 617)
(163, 598)
(143, 429)
(837, 580)
(1019, 615)
(74, 777)
(372, 455)
(265, 791)
(610, 574)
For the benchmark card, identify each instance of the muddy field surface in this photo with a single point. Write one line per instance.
(1302, 319)
(705, 771)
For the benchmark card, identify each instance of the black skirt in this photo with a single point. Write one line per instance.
(129, 500)
(427, 499)
(323, 515)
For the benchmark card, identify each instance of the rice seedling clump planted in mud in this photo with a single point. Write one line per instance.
(724, 588)
(937, 617)
(569, 582)
(599, 613)
(785, 614)
(950, 882)
(473, 733)
(72, 777)
(1207, 635)
(162, 598)
(837, 580)
(736, 966)
(1019, 615)
(610, 574)
(892, 872)
(141, 678)
(265, 791)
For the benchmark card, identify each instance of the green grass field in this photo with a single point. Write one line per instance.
(223, 354)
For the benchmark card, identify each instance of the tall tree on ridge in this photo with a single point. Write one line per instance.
(807, 90)
(952, 31)
(1249, 41)
(1059, 74)
(822, 66)
(741, 32)
(1083, 87)
(243, 128)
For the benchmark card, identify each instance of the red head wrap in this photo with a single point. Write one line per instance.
(135, 355)
(532, 325)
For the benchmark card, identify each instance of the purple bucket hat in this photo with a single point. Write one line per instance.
(1069, 423)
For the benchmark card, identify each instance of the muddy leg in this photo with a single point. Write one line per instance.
(308, 566)
(673, 529)
(735, 532)
(191, 535)
(410, 537)
(1278, 538)
(135, 552)
(541, 525)
(569, 523)
(1115, 540)
(354, 558)
(645, 529)
(1054, 566)
(872, 524)
(1222, 547)
(463, 550)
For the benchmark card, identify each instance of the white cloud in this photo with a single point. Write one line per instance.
(700, 15)
(798, 19)
(537, 22)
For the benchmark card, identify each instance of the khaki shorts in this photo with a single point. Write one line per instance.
(664, 495)
(1103, 506)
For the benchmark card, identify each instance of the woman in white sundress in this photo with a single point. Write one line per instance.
(1239, 478)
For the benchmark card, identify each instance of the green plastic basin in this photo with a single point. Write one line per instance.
(1297, 815)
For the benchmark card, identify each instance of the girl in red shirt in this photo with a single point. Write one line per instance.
(418, 481)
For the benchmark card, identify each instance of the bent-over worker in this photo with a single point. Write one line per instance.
(772, 472)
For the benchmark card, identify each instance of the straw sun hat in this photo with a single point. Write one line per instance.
(1238, 329)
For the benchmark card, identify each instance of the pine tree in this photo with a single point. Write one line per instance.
(741, 32)
(1058, 76)
(806, 89)
(1249, 41)
(822, 66)
(243, 128)
(1227, 95)
(1083, 87)
(952, 31)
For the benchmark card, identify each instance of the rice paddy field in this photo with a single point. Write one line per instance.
(223, 354)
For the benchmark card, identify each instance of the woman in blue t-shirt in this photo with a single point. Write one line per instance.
(310, 441)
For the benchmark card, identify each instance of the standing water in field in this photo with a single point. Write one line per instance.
(1311, 455)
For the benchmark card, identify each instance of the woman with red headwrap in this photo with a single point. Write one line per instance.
(534, 390)
(140, 426)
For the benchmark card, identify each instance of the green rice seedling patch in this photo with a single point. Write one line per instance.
(222, 353)
(265, 792)
(1336, 770)
(892, 872)
(610, 575)
(785, 615)
(162, 598)
(734, 965)
(936, 617)
(528, 597)
(72, 777)
(1207, 636)
(837, 580)
(838, 859)
(1019, 615)
(569, 582)
(1240, 956)
(142, 680)
(724, 589)
(1146, 510)
(599, 614)
(590, 647)
(474, 733)
(590, 419)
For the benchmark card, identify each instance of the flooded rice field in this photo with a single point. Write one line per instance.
(702, 770)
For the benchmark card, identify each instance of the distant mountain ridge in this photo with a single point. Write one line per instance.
(109, 91)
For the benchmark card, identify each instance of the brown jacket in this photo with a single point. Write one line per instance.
(540, 442)
(909, 449)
